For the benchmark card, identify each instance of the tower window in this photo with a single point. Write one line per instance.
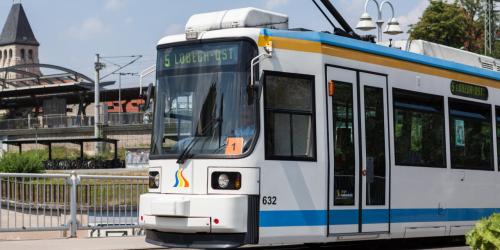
(1, 55)
(10, 53)
(30, 54)
(23, 54)
(5, 54)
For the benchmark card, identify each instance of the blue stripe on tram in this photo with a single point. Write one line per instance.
(284, 218)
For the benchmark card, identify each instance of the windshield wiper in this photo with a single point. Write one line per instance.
(219, 120)
(185, 153)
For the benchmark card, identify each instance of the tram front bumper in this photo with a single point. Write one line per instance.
(175, 213)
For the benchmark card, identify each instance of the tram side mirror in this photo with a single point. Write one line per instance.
(253, 91)
(250, 94)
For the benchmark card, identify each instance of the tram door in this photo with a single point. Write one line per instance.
(359, 152)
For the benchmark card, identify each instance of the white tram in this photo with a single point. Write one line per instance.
(265, 135)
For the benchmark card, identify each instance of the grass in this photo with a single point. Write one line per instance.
(69, 153)
(56, 190)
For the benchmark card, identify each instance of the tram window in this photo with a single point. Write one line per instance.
(470, 135)
(289, 117)
(343, 125)
(375, 142)
(497, 113)
(419, 129)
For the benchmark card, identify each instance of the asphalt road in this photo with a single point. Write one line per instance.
(129, 243)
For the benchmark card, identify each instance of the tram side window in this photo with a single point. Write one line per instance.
(343, 134)
(497, 114)
(289, 117)
(470, 135)
(419, 129)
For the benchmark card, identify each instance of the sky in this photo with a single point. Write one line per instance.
(71, 32)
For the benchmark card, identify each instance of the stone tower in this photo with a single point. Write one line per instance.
(18, 44)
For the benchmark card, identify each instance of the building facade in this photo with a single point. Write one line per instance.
(18, 44)
(60, 105)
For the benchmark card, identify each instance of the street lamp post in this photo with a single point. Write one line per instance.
(366, 22)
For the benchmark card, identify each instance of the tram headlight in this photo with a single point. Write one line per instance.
(223, 181)
(226, 180)
(154, 179)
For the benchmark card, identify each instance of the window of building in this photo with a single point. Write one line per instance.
(470, 135)
(30, 54)
(23, 54)
(10, 53)
(419, 129)
(289, 116)
(5, 54)
(1, 55)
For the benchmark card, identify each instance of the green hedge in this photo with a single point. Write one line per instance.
(486, 234)
(27, 162)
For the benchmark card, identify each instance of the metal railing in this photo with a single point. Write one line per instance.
(34, 202)
(73, 121)
(109, 201)
(62, 202)
(66, 164)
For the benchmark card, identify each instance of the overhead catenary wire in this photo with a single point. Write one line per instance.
(134, 59)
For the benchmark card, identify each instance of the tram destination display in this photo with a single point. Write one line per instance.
(200, 56)
(469, 90)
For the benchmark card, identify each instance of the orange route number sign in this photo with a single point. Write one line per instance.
(234, 145)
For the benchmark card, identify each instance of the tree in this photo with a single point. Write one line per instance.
(443, 23)
(474, 8)
(475, 24)
(496, 50)
(459, 25)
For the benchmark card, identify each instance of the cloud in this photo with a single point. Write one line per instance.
(114, 4)
(173, 29)
(413, 16)
(129, 20)
(272, 4)
(356, 8)
(88, 29)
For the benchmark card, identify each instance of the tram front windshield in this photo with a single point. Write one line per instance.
(203, 107)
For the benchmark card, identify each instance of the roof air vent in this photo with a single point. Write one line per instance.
(487, 64)
(237, 18)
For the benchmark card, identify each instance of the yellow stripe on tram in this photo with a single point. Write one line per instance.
(316, 47)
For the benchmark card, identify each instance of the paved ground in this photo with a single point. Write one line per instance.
(110, 243)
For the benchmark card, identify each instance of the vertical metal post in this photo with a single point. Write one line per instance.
(81, 151)
(120, 98)
(73, 180)
(379, 29)
(50, 151)
(98, 67)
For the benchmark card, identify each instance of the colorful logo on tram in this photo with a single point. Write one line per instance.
(180, 180)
